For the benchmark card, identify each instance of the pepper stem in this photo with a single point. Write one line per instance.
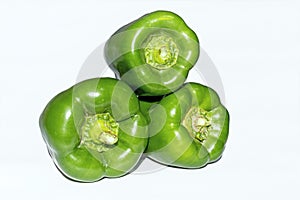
(161, 51)
(198, 123)
(99, 132)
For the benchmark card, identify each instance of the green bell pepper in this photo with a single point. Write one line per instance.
(188, 128)
(94, 130)
(154, 53)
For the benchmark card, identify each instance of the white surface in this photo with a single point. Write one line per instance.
(255, 46)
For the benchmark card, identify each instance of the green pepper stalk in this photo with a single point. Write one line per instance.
(193, 131)
(95, 130)
(154, 53)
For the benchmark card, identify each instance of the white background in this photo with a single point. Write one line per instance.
(255, 46)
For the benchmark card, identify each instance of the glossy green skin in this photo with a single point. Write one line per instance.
(124, 52)
(63, 117)
(171, 143)
(147, 103)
